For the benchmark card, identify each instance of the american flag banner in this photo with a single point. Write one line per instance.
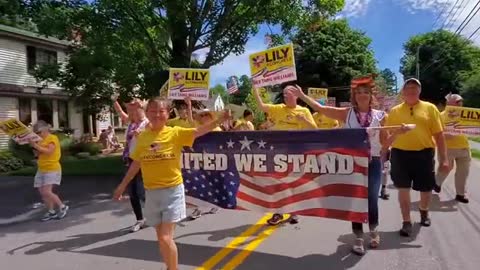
(321, 173)
(232, 85)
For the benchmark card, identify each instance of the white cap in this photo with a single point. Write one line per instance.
(412, 80)
(453, 97)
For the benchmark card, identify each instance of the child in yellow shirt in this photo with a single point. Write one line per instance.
(49, 171)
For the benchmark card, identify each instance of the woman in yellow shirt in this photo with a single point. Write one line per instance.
(49, 171)
(158, 153)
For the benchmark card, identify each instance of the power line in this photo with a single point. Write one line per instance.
(478, 29)
(454, 17)
(440, 15)
(450, 13)
(462, 26)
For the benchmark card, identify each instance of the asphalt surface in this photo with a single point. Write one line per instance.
(91, 236)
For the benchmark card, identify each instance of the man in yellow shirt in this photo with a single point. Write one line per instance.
(184, 117)
(158, 153)
(458, 150)
(324, 122)
(286, 116)
(413, 151)
(49, 170)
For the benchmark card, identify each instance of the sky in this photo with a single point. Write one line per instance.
(389, 23)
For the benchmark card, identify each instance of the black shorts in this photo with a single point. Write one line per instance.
(413, 169)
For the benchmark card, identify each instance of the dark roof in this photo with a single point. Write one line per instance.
(31, 36)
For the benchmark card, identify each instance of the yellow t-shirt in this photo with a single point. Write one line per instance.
(324, 122)
(50, 163)
(456, 141)
(179, 122)
(284, 118)
(428, 122)
(159, 154)
(217, 129)
(246, 125)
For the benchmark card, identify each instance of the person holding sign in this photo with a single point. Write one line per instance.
(49, 171)
(360, 115)
(286, 116)
(413, 151)
(185, 115)
(157, 154)
(458, 150)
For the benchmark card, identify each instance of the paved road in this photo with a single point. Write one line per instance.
(91, 237)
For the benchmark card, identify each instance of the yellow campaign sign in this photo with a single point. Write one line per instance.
(319, 94)
(273, 66)
(462, 120)
(20, 133)
(191, 82)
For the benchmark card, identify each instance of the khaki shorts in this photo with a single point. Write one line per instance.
(50, 178)
(165, 205)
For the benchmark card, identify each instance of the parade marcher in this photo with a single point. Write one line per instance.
(136, 116)
(49, 170)
(286, 116)
(385, 172)
(245, 123)
(413, 151)
(185, 116)
(360, 115)
(458, 151)
(157, 154)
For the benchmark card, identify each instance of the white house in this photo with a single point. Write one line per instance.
(23, 98)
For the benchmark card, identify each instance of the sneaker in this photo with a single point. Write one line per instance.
(406, 229)
(462, 199)
(384, 194)
(275, 220)
(358, 247)
(138, 226)
(293, 219)
(424, 219)
(437, 188)
(196, 214)
(49, 216)
(62, 212)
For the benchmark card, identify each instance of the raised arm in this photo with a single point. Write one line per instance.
(47, 150)
(204, 129)
(259, 100)
(339, 114)
(119, 110)
(188, 101)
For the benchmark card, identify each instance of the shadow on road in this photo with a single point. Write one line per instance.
(72, 243)
(85, 196)
(219, 235)
(437, 205)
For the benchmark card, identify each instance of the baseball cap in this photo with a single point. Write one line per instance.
(414, 80)
(453, 97)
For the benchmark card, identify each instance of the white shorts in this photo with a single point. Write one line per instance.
(50, 178)
(165, 205)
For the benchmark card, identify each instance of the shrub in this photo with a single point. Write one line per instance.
(66, 141)
(81, 147)
(8, 162)
(22, 152)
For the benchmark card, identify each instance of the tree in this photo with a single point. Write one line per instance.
(390, 80)
(139, 39)
(12, 13)
(219, 89)
(244, 90)
(251, 102)
(471, 89)
(329, 54)
(444, 58)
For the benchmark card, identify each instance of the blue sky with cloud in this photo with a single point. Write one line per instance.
(389, 23)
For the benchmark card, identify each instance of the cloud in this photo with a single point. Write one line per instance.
(452, 14)
(236, 64)
(354, 8)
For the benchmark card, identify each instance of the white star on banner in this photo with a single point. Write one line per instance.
(210, 184)
(230, 144)
(210, 194)
(203, 176)
(186, 190)
(231, 173)
(216, 201)
(187, 181)
(203, 186)
(224, 198)
(209, 173)
(216, 180)
(222, 174)
(229, 205)
(261, 144)
(271, 147)
(196, 178)
(245, 143)
(217, 191)
(194, 188)
(188, 171)
(230, 194)
(232, 183)
(220, 147)
(201, 195)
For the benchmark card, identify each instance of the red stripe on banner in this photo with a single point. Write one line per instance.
(279, 175)
(361, 217)
(341, 190)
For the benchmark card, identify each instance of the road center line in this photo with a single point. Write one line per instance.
(240, 257)
(237, 241)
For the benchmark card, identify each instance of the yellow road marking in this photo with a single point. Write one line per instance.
(240, 257)
(237, 241)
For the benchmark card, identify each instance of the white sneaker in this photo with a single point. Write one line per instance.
(138, 226)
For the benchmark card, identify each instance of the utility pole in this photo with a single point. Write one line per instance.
(418, 62)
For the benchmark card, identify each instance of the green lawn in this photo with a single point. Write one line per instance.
(104, 166)
(476, 153)
(475, 139)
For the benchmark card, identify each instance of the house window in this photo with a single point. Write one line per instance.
(25, 110)
(45, 110)
(37, 57)
(63, 122)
